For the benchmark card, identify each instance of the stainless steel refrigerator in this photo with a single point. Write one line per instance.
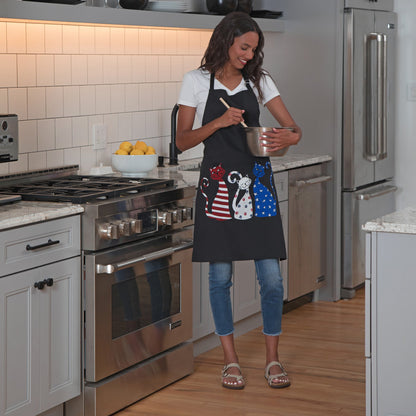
(368, 190)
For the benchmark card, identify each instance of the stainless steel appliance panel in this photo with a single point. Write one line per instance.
(359, 207)
(307, 230)
(368, 128)
(9, 144)
(371, 4)
(139, 302)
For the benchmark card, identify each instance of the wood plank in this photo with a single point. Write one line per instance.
(322, 348)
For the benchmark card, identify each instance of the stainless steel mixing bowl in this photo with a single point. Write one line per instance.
(254, 141)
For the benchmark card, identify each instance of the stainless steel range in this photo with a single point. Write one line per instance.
(136, 243)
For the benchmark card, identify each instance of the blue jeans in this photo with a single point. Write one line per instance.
(271, 292)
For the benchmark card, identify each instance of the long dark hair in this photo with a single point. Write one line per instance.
(233, 25)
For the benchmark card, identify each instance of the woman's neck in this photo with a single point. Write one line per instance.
(229, 76)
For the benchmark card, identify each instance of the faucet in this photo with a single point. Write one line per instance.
(173, 150)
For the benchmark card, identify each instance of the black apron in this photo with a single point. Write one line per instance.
(237, 212)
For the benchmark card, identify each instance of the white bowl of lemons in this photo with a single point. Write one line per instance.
(135, 160)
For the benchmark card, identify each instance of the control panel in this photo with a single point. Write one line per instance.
(9, 148)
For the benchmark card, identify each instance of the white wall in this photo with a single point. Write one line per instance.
(405, 109)
(62, 78)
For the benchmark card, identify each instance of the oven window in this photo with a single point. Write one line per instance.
(140, 299)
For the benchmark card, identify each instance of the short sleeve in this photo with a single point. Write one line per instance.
(269, 89)
(187, 94)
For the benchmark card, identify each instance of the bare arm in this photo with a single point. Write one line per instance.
(186, 138)
(280, 139)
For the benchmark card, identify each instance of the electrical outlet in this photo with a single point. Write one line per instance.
(99, 136)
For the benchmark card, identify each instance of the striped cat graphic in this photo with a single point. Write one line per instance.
(220, 209)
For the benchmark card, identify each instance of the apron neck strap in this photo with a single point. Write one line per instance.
(212, 80)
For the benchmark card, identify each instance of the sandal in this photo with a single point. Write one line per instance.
(235, 381)
(276, 381)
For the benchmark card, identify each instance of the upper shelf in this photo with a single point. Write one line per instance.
(18, 9)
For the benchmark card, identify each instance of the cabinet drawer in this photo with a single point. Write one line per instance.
(39, 244)
(281, 180)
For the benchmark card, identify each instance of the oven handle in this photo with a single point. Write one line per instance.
(111, 268)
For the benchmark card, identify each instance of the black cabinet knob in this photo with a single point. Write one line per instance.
(49, 281)
(40, 285)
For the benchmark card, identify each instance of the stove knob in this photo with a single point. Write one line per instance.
(177, 215)
(124, 228)
(108, 231)
(187, 213)
(136, 226)
(164, 218)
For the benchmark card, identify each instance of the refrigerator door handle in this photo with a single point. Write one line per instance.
(376, 103)
(370, 195)
(312, 181)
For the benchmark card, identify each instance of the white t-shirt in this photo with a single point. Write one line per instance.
(195, 89)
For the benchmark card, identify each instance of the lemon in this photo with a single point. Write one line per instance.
(150, 150)
(121, 152)
(127, 146)
(141, 146)
(137, 152)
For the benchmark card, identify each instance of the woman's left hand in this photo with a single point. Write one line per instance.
(280, 138)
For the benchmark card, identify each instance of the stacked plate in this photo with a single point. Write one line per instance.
(168, 6)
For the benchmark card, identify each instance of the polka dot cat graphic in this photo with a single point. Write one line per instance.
(264, 201)
(242, 204)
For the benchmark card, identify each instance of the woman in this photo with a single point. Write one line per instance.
(237, 215)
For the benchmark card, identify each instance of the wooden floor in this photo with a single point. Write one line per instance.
(322, 348)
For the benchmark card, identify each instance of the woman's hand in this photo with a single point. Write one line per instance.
(280, 138)
(231, 117)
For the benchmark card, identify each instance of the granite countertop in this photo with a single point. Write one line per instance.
(21, 213)
(187, 172)
(403, 221)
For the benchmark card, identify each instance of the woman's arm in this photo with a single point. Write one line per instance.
(279, 139)
(186, 138)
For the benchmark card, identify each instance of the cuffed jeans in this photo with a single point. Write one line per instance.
(271, 292)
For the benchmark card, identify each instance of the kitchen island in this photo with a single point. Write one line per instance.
(390, 334)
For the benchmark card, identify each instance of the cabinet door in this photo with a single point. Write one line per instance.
(246, 294)
(284, 214)
(203, 323)
(60, 336)
(19, 345)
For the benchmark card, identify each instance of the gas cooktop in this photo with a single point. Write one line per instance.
(83, 188)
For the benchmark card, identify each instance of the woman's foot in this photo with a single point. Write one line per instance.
(276, 375)
(232, 378)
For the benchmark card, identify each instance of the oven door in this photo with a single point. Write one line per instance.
(138, 302)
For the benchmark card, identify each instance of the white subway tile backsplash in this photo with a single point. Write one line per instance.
(95, 69)
(18, 102)
(72, 156)
(8, 70)
(37, 161)
(16, 37)
(63, 75)
(80, 131)
(53, 38)
(124, 69)
(171, 95)
(138, 65)
(164, 69)
(4, 103)
(118, 98)
(182, 44)
(87, 99)
(36, 103)
(70, 39)
(95, 119)
(153, 125)
(63, 133)
(111, 123)
(102, 40)
(3, 37)
(110, 68)
(26, 70)
(20, 165)
(102, 99)
(45, 70)
(145, 41)
(117, 40)
(131, 41)
(46, 134)
(71, 101)
(86, 40)
(132, 97)
(177, 68)
(158, 42)
(170, 41)
(190, 62)
(79, 69)
(28, 136)
(125, 126)
(145, 97)
(88, 159)
(35, 38)
(138, 125)
(54, 158)
(54, 102)
(158, 96)
(194, 43)
(152, 68)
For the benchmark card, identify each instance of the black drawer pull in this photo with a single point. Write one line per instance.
(41, 284)
(49, 243)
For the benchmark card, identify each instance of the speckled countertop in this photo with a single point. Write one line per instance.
(21, 213)
(403, 221)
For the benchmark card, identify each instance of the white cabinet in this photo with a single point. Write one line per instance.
(370, 4)
(40, 322)
(390, 332)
